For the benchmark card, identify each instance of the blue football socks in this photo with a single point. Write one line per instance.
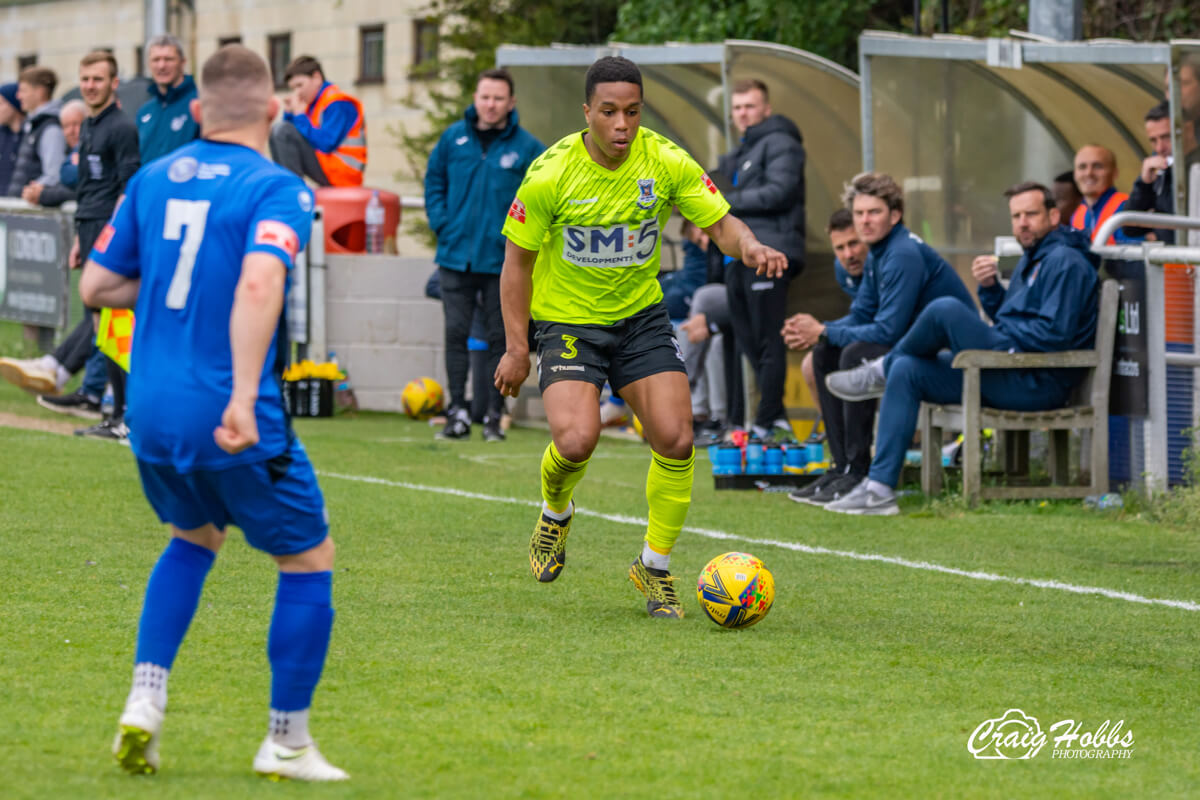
(172, 595)
(299, 637)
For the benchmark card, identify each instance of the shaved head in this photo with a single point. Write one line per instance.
(235, 89)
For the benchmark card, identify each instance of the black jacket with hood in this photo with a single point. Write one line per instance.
(767, 171)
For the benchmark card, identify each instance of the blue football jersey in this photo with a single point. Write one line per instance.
(183, 228)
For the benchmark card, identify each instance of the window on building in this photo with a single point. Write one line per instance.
(370, 54)
(279, 50)
(224, 40)
(425, 48)
(27, 60)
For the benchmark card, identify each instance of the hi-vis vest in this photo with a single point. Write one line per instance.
(345, 165)
(114, 336)
(1110, 208)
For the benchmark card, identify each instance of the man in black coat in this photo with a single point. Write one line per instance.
(767, 175)
(1154, 189)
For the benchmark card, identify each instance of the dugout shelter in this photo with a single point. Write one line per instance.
(956, 120)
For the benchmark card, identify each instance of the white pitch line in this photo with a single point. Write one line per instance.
(1113, 594)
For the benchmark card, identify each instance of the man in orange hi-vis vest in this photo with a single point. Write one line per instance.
(323, 135)
(1095, 173)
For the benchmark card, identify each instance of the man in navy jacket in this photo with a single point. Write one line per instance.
(165, 121)
(1050, 305)
(902, 277)
(472, 177)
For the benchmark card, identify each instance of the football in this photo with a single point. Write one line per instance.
(422, 398)
(735, 590)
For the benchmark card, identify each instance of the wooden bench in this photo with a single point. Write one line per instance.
(1087, 411)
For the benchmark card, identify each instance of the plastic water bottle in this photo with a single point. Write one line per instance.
(374, 220)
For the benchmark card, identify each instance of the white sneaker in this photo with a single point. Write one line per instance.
(862, 500)
(32, 374)
(136, 745)
(279, 762)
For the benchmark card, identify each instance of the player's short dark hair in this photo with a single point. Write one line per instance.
(840, 220)
(235, 87)
(875, 184)
(611, 69)
(749, 85)
(1158, 112)
(303, 65)
(40, 76)
(1031, 186)
(498, 74)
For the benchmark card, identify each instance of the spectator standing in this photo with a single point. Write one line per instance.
(1049, 306)
(43, 147)
(904, 276)
(767, 173)
(108, 157)
(11, 122)
(1095, 174)
(71, 118)
(165, 122)
(323, 135)
(1154, 188)
(472, 176)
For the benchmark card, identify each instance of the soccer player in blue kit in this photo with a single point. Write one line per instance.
(200, 247)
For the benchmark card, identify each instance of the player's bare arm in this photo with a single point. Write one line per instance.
(100, 287)
(736, 240)
(516, 289)
(257, 304)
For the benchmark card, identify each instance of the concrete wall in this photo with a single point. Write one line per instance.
(386, 332)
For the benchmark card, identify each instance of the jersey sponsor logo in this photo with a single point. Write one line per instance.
(646, 197)
(277, 234)
(517, 210)
(509, 159)
(183, 169)
(614, 246)
(177, 123)
(708, 183)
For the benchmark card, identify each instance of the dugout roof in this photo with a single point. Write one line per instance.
(687, 100)
(957, 120)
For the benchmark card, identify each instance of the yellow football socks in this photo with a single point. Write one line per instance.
(559, 479)
(668, 493)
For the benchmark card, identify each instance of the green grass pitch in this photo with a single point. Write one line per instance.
(453, 674)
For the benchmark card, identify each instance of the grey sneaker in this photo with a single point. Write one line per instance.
(861, 500)
(834, 490)
(802, 494)
(458, 425)
(858, 383)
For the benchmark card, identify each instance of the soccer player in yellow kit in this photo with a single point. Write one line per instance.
(584, 237)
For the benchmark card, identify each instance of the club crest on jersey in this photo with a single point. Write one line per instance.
(646, 197)
(517, 210)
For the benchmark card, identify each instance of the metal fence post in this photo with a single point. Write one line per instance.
(317, 345)
(1155, 436)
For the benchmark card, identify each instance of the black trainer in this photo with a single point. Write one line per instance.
(802, 494)
(77, 404)
(112, 429)
(834, 490)
(492, 432)
(458, 425)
